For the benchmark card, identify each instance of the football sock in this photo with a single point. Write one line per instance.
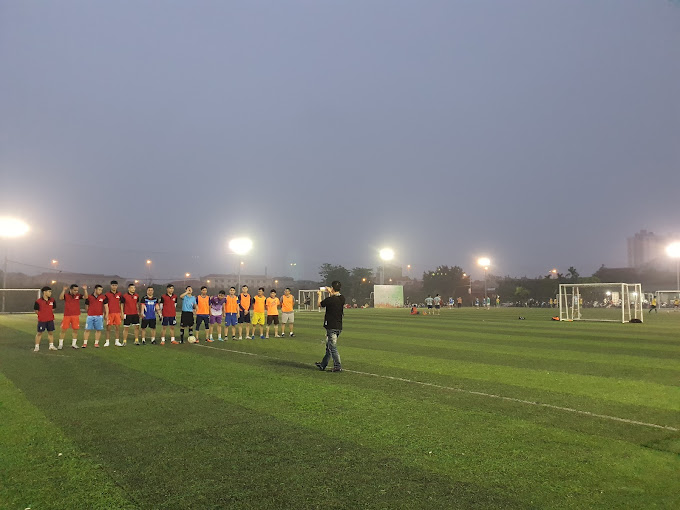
(162, 339)
(61, 342)
(75, 341)
(181, 334)
(37, 347)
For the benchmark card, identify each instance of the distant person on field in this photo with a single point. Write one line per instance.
(653, 306)
(676, 303)
(476, 302)
(437, 304)
(498, 301)
(334, 305)
(71, 318)
(287, 312)
(459, 302)
(44, 309)
(429, 302)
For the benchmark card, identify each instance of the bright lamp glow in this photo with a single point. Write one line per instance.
(484, 261)
(12, 227)
(240, 245)
(387, 254)
(673, 250)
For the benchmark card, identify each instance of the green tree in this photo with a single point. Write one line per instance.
(443, 280)
(360, 284)
(330, 272)
(521, 293)
(572, 274)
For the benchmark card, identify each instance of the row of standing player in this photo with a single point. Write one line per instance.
(115, 308)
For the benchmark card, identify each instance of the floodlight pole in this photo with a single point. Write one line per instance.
(677, 273)
(4, 278)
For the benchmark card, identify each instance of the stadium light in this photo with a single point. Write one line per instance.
(386, 254)
(485, 262)
(673, 251)
(9, 229)
(240, 246)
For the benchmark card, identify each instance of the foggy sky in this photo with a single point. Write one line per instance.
(539, 133)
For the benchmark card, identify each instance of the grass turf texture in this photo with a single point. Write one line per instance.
(204, 426)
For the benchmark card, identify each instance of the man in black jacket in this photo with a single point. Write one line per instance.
(335, 307)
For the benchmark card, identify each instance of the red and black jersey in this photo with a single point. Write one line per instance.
(169, 305)
(72, 304)
(95, 304)
(114, 301)
(130, 302)
(45, 308)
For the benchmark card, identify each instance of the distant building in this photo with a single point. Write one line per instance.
(646, 248)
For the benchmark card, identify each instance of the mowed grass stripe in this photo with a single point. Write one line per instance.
(41, 467)
(176, 446)
(514, 451)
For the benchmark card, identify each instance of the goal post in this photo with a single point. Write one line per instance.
(308, 299)
(18, 300)
(666, 298)
(600, 302)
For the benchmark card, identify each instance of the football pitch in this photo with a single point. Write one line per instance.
(471, 409)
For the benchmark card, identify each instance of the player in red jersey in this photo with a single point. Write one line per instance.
(113, 314)
(130, 302)
(169, 306)
(71, 313)
(95, 303)
(44, 309)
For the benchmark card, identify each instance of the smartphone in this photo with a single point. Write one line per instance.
(322, 288)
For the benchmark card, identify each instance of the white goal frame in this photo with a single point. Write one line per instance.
(672, 293)
(312, 294)
(630, 294)
(3, 295)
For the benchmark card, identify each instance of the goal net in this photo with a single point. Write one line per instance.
(666, 299)
(604, 302)
(309, 300)
(18, 300)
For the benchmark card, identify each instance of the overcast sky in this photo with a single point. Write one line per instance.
(539, 133)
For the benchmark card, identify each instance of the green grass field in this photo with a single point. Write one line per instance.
(414, 421)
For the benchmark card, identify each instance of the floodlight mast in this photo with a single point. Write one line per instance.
(485, 262)
(240, 246)
(9, 229)
(386, 254)
(673, 251)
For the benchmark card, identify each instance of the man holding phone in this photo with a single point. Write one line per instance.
(335, 307)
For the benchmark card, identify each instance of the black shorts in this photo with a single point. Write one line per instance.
(273, 319)
(45, 326)
(131, 320)
(244, 317)
(437, 307)
(149, 323)
(187, 319)
(205, 319)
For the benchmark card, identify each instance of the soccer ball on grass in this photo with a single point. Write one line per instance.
(191, 339)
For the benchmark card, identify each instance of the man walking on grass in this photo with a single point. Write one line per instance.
(334, 305)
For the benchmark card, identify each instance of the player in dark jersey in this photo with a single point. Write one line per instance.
(44, 309)
(169, 309)
(150, 308)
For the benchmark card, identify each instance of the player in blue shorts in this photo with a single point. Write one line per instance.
(150, 308)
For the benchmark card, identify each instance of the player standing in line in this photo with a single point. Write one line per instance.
(96, 312)
(168, 305)
(438, 304)
(149, 308)
(44, 309)
(113, 319)
(188, 308)
(130, 302)
(231, 314)
(259, 311)
(287, 312)
(429, 302)
(216, 314)
(203, 312)
(245, 302)
(71, 314)
(272, 304)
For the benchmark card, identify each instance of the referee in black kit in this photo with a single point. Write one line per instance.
(332, 321)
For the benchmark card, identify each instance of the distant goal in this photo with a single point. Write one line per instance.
(601, 302)
(309, 299)
(18, 300)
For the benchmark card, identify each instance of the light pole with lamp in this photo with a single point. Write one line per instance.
(673, 251)
(148, 270)
(240, 246)
(485, 262)
(386, 254)
(9, 229)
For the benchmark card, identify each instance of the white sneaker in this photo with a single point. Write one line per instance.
(106, 344)
(52, 348)
(241, 338)
(60, 347)
(118, 344)
(277, 336)
(73, 346)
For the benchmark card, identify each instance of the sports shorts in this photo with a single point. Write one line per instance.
(149, 323)
(244, 317)
(215, 319)
(205, 319)
(95, 322)
(169, 321)
(114, 319)
(437, 307)
(131, 320)
(230, 319)
(429, 306)
(45, 326)
(72, 321)
(287, 317)
(186, 320)
(258, 318)
(273, 319)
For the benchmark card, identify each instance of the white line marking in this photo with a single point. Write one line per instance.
(472, 392)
